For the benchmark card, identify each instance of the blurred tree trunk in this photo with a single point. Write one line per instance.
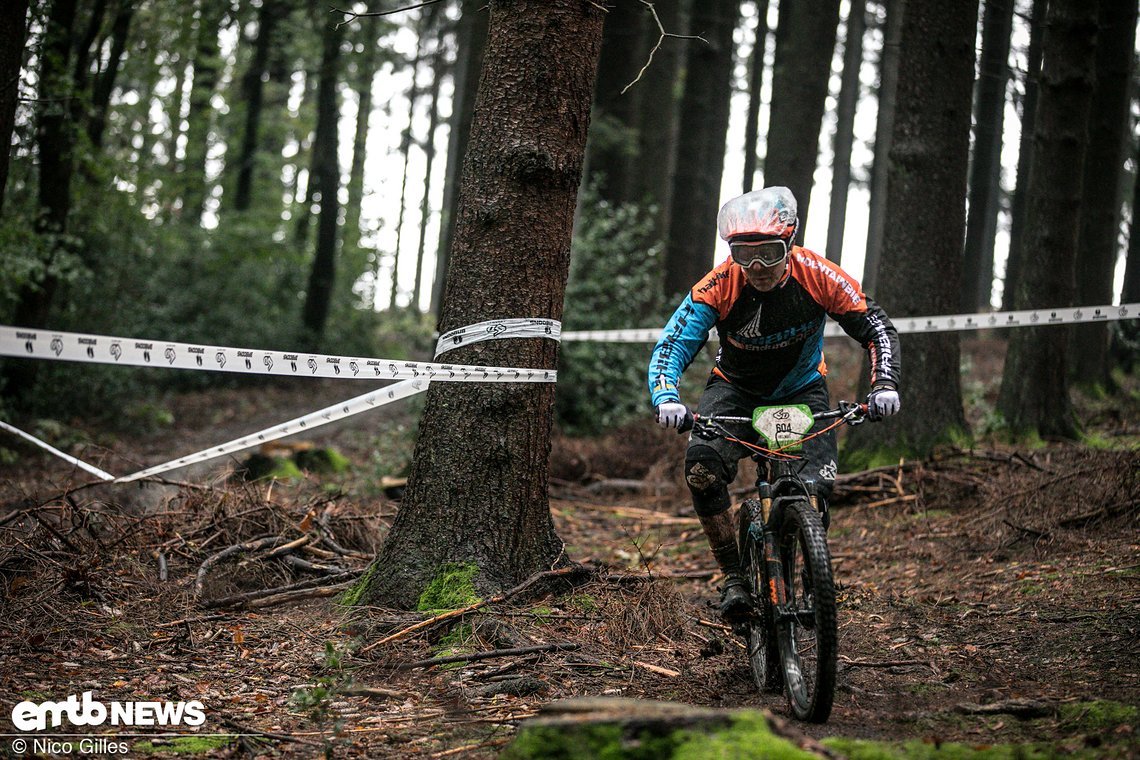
(884, 127)
(985, 171)
(805, 42)
(755, 85)
(437, 74)
(13, 32)
(1126, 338)
(105, 81)
(269, 16)
(478, 489)
(1109, 146)
(200, 121)
(611, 151)
(365, 76)
(1034, 396)
(471, 39)
(845, 127)
(1024, 156)
(326, 182)
(700, 144)
(925, 222)
(658, 105)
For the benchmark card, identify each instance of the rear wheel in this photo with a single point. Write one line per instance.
(763, 651)
(806, 625)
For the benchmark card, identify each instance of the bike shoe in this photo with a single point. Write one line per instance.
(735, 603)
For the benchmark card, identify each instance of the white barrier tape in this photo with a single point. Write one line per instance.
(307, 422)
(103, 349)
(948, 323)
(496, 329)
(66, 457)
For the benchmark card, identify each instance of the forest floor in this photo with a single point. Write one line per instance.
(987, 596)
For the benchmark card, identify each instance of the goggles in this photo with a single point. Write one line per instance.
(768, 252)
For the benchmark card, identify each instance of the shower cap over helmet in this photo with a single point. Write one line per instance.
(770, 212)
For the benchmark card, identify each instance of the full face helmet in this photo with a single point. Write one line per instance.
(759, 226)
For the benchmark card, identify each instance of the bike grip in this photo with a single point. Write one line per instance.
(687, 423)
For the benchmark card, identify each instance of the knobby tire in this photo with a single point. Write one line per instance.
(763, 651)
(807, 632)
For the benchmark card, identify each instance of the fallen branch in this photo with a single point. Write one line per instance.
(254, 732)
(249, 546)
(498, 598)
(1019, 708)
(294, 596)
(472, 657)
(239, 599)
(882, 664)
(1110, 511)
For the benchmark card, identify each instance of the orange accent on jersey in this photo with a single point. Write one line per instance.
(721, 287)
(831, 287)
(822, 365)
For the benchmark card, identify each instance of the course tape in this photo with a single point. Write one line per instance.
(66, 457)
(948, 323)
(102, 349)
(496, 329)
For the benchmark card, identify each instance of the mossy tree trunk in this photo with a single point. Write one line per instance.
(477, 492)
(925, 220)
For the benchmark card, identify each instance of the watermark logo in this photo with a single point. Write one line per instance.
(85, 711)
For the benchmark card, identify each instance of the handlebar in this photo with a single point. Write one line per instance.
(851, 412)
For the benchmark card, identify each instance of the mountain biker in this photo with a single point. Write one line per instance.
(768, 301)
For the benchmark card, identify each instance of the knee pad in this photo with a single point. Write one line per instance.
(708, 479)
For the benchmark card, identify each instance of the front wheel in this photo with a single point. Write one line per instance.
(806, 625)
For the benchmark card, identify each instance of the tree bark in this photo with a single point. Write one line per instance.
(365, 75)
(1024, 156)
(805, 42)
(1109, 126)
(471, 37)
(845, 127)
(884, 126)
(13, 32)
(105, 81)
(985, 171)
(253, 91)
(925, 220)
(755, 85)
(326, 167)
(1034, 397)
(700, 145)
(207, 73)
(478, 488)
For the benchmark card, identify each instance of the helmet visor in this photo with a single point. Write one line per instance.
(768, 252)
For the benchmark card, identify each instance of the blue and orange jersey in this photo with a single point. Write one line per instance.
(771, 344)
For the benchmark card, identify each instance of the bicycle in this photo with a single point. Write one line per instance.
(791, 630)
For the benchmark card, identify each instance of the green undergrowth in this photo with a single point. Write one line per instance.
(916, 749)
(745, 736)
(452, 588)
(183, 745)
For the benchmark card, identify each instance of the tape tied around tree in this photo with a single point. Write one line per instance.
(498, 329)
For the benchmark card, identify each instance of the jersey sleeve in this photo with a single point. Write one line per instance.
(684, 334)
(843, 299)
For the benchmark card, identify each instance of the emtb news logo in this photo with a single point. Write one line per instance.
(32, 716)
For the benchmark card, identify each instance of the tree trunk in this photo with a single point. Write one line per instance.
(429, 155)
(478, 489)
(365, 75)
(805, 42)
(1024, 156)
(327, 183)
(13, 32)
(755, 85)
(1034, 396)
(471, 37)
(1130, 293)
(845, 127)
(105, 82)
(207, 72)
(610, 152)
(985, 171)
(884, 126)
(1109, 127)
(253, 91)
(700, 145)
(658, 107)
(925, 215)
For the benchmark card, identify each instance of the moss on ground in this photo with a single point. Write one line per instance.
(350, 597)
(183, 745)
(323, 461)
(452, 588)
(1097, 716)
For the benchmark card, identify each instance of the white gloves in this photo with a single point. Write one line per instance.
(671, 414)
(883, 403)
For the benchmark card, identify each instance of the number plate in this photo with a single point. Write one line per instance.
(783, 426)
